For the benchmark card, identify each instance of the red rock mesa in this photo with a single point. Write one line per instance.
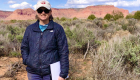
(81, 13)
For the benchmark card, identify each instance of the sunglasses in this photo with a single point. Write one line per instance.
(40, 10)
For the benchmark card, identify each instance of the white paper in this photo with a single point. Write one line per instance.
(55, 70)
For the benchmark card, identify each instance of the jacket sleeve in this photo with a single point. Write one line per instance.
(25, 46)
(63, 52)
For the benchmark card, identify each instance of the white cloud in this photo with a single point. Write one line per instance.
(11, 2)
(82, 2)
(135, 3)
(85, 3)
(23, 5)
(34, 7)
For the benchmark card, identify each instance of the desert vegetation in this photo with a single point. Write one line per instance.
(100, 49)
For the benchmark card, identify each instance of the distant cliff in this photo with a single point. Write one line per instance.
(98, 11)
(82, 13)
(4, 14)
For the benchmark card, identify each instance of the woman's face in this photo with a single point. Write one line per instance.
(43, 13)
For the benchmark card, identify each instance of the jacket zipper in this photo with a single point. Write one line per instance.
(40, 52)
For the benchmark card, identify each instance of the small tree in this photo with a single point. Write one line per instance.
(129, 16)
(57, 18)
(117, 15)
(137, 15)
(108, 16)
(75, 18)
(91, 17)
(63, 19)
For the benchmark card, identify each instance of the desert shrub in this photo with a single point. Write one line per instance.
(68, 32)
(11, 37)
(137, 15)
(90, 25)
(57, 18)
(13, 30)
(63, 19)
(112, 19)
(24, 24)
(14, 34)
(108, 16)
(14, 54)
(124, 27)
(13, 69)
(1, 50)
(116, 60)
(91, 17)
(99, 23)
(58, 21)
(128, 24)
(66, 23)
(75, 18)
(76, 22)
(78, 38)
(105, 25)
(117, 15)
(1, 21)
(131, 29)
(19, 38)
(129, 16)
(3, 32)
(13, 21)
(132, 22)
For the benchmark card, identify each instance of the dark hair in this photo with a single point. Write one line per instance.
(50, 17)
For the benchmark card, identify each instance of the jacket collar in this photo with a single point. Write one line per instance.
(36, 26)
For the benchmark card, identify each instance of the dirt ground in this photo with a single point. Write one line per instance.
(78, 68)
(5, 67)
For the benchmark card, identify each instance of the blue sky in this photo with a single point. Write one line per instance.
(11, 5)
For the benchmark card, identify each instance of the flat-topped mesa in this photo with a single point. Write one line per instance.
(101, 6)
(22, 14)
(5, 14)
(27, 11)
(81, 13)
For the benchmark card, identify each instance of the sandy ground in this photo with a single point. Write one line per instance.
(78, 67)
(5, 65)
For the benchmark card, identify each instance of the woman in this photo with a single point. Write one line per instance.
(44, 43)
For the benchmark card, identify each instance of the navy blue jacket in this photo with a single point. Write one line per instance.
(40, 49)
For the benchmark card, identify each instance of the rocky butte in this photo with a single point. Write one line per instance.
(22, 14)
(81, 13)
(4, 14)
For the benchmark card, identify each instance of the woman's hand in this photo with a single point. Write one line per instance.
(60, 78)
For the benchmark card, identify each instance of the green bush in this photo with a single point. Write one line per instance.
(117, 15)
(129, 16)
(19, 38)
(63, 19)
(13, 21)
(124, 27)
(3, 32)
(105, 25)
(68, 32)
(57, 18)
(14, 54)
(131, 56)
(78, 37)
(75, 18)
(1, 21)
(91, 17)
(11, 37)
(13, 30)
(108, 16)
(120, 54)
(137, 15)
